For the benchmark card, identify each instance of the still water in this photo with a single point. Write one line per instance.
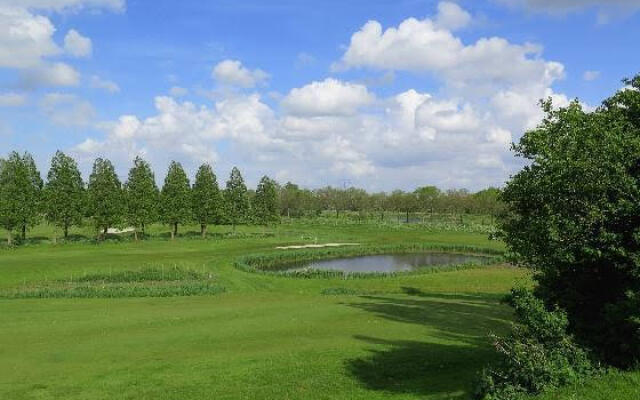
(392, 262)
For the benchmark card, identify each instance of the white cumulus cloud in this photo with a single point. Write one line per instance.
(329, 97)
(233, 73)
(76, 44)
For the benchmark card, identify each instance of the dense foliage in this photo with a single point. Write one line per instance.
(20, 193)
(141, 195)
(574, 216)
(265, 202)
(105, 196)
(175, 198)
(64, 193)
(236, 199)
(539, 354)
(206, 197)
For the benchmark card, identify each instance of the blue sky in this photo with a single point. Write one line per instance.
(378, 94)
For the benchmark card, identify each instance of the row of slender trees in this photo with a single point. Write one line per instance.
(64, 200)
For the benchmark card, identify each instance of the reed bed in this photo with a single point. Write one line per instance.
(147, 282)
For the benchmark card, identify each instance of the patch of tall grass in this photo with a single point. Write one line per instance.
(147, 282)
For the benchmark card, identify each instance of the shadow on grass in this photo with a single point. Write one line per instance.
(447, 364)
(419, 368)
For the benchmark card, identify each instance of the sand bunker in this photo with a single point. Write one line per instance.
(316, 246)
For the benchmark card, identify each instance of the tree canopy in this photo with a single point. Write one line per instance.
(175, 201)
(236, 198)
(142, 194)
(104, 196)
(206, 198)
(265, 203)
(64, 194)
(573, 215)
(20, 193)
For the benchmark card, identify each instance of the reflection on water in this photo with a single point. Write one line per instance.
(392, 262)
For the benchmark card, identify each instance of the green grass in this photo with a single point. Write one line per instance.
(416, 336)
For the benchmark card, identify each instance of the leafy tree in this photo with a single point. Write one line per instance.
(236, 199)
(64, 193)
(175, 198)
(265, 203)
(427, 197)
(290, 195)
(104, 196)
(206, 198)
(573, 215)
(142, 196)
(33, 184)
(380, 203)
(20, 193)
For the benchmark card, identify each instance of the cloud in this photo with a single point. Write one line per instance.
(67, 109)
(451, 16)
(422, 46)
(326, 131)
(11, 99)
(571, 5)
(98, 83)
(329, 97)
(27, 40)
(591, 75)
(24, 38)
(178, 91)
(233, 73)
(50, 75)
(76, 44)
(606, 9)
(65, 5)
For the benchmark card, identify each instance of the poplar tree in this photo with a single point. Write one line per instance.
(175, 198)
(265, 202)
(206, 198)
(141, 195)
(105, 197)
(20, 192)
(64, 193)
(236, 199)
(32, 188)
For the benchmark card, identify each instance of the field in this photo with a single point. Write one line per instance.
(419, 336)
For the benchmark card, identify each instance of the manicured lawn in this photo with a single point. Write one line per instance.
(266, 337)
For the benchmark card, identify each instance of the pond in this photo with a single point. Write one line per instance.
(392, 262)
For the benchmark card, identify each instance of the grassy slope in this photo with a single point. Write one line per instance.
(266, 338)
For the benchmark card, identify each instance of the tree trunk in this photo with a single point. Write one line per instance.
(288, 213)
(135, 234)
(143, 230)
(9, 239)
(66, 231)
(203, 231)
(24, 232)
(407, 216)
(175, 229)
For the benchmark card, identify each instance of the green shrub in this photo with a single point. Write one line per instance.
(573, 215)
(537, 355)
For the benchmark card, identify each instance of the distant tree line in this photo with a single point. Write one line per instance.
(65, 200)
(295, 201)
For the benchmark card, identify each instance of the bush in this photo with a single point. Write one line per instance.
(573, 215)
(537, 355)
